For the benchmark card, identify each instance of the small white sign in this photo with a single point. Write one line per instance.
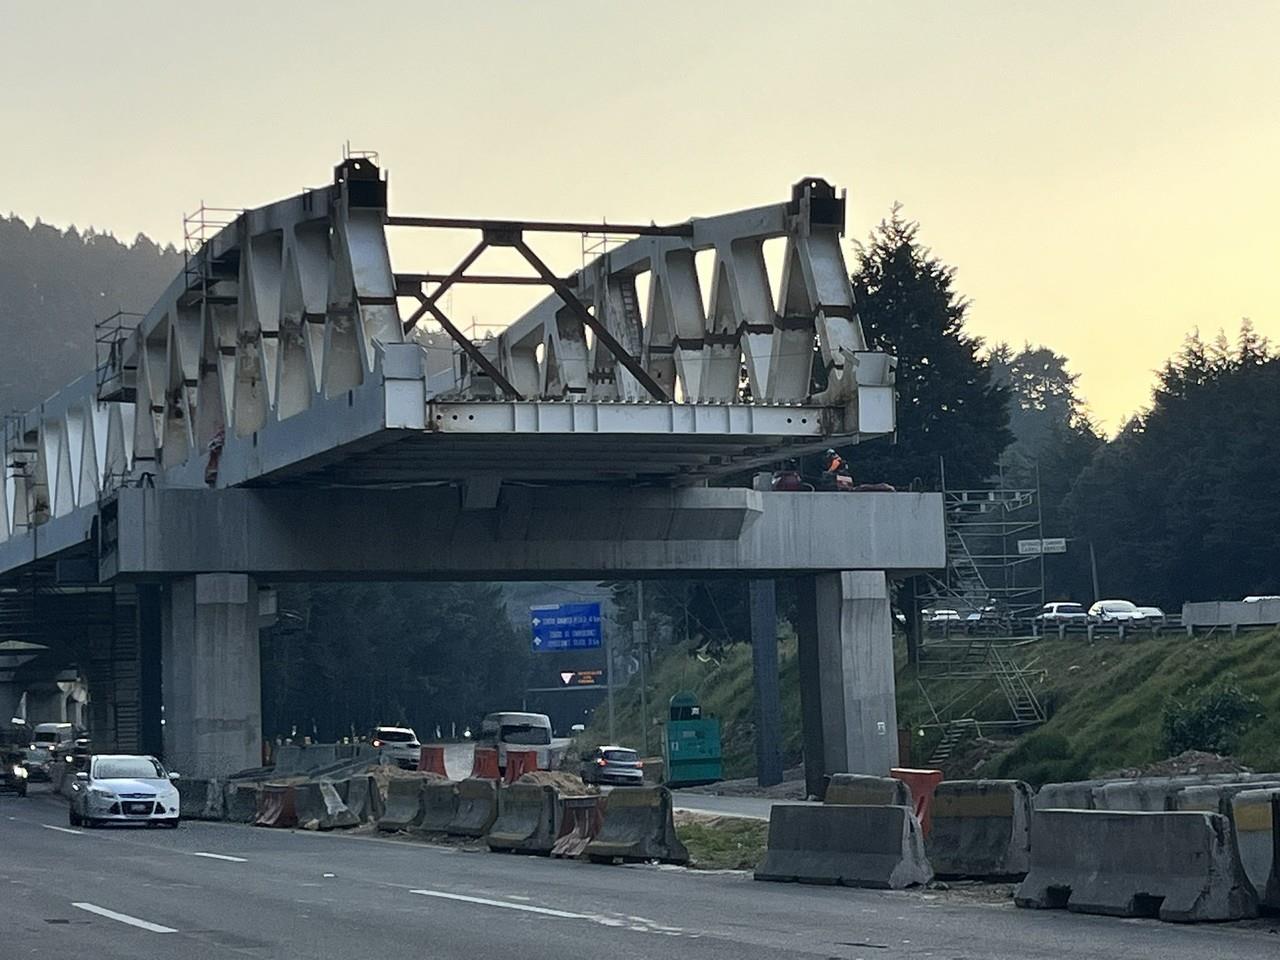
(1047, 545)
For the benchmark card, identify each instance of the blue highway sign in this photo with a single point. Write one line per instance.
(566, 626)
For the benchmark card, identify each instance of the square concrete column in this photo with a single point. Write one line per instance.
(846, 675)
(212, 684)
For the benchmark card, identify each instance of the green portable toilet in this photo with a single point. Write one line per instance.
(692, 744)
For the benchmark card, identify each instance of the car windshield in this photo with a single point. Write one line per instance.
(1119, 606)
(620, 756)
(49, 737)
(396, 736)
(1070, 608)
(525, 733)
(128, 768)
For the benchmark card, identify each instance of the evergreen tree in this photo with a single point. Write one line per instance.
(1185, 503)
(949, 410)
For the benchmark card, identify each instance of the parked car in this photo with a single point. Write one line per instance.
(124, 788)
(1062, 612)
(398, 744)
(1114, 611)
(13, 773)
(47, 741)
(617, 765)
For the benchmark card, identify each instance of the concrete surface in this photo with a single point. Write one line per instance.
(549, 533)
(235, 891)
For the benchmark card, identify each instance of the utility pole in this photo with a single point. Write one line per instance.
(1093, 565)
(608, 686)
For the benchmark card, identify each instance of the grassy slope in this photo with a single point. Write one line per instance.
(725, 691)
(1108, 709)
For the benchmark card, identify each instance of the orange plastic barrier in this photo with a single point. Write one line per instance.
(520, 762)
(922, 784)
(431, 759)
(485, 764)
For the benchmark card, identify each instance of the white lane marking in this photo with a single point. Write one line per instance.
(49, 826)
(638, 924)
(219, 856)
(505, 904)
(123, 918)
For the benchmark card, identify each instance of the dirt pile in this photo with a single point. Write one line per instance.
(566, 784)
(1187, 763)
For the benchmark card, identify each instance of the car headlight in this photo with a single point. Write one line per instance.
(20, 772)
(101, 794)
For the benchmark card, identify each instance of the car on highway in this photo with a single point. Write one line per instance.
(520, 731)
(13, 773)
(399, 745)
(940, 616)
(48, 740)
(124, 788)
(1064, 613)
(1152, 616)
(612, 764)
(1115, 611)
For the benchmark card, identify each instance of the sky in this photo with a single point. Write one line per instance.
(1103, 176)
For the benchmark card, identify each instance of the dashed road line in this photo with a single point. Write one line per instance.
(50, 826)
(123, 918)
(218, 856)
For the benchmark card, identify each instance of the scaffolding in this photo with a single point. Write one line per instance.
(988, 580)
(115, 382)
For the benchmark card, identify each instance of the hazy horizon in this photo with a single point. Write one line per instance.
(1100, 176)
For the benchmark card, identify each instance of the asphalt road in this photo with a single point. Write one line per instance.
(222, 890)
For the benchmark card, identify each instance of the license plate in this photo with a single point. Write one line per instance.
(142, 808)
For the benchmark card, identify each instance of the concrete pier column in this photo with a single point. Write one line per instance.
(212, 685)
(768, 715)
(846, 675)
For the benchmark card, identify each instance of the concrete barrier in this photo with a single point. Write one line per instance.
(637, 826)
(317, 806)
(580, 820)
(439, 805)
(856, 846)
(864, 790)
(1077, 795)
(1154, 795)
(403, 806)
(200, 799)
(301, 758)
(528, 820)
(1181, 867)
(477, 808)
(981, 829)
(1256, 817)
(240, 800)
(362, 798)
(1217, 797)
(276, 806)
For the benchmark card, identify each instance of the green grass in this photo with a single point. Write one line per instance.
(724, 688)
(1105, 700)
(725, 843)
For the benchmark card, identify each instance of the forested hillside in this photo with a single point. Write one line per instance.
(54, 285)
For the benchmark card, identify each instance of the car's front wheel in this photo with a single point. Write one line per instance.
(172, 824)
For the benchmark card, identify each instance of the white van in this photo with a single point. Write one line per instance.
(521, 731)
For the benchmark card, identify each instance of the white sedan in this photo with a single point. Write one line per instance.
(119, 788)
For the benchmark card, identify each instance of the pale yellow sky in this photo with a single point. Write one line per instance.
(1102, 175)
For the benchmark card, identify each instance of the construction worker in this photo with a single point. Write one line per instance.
(833, 463)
